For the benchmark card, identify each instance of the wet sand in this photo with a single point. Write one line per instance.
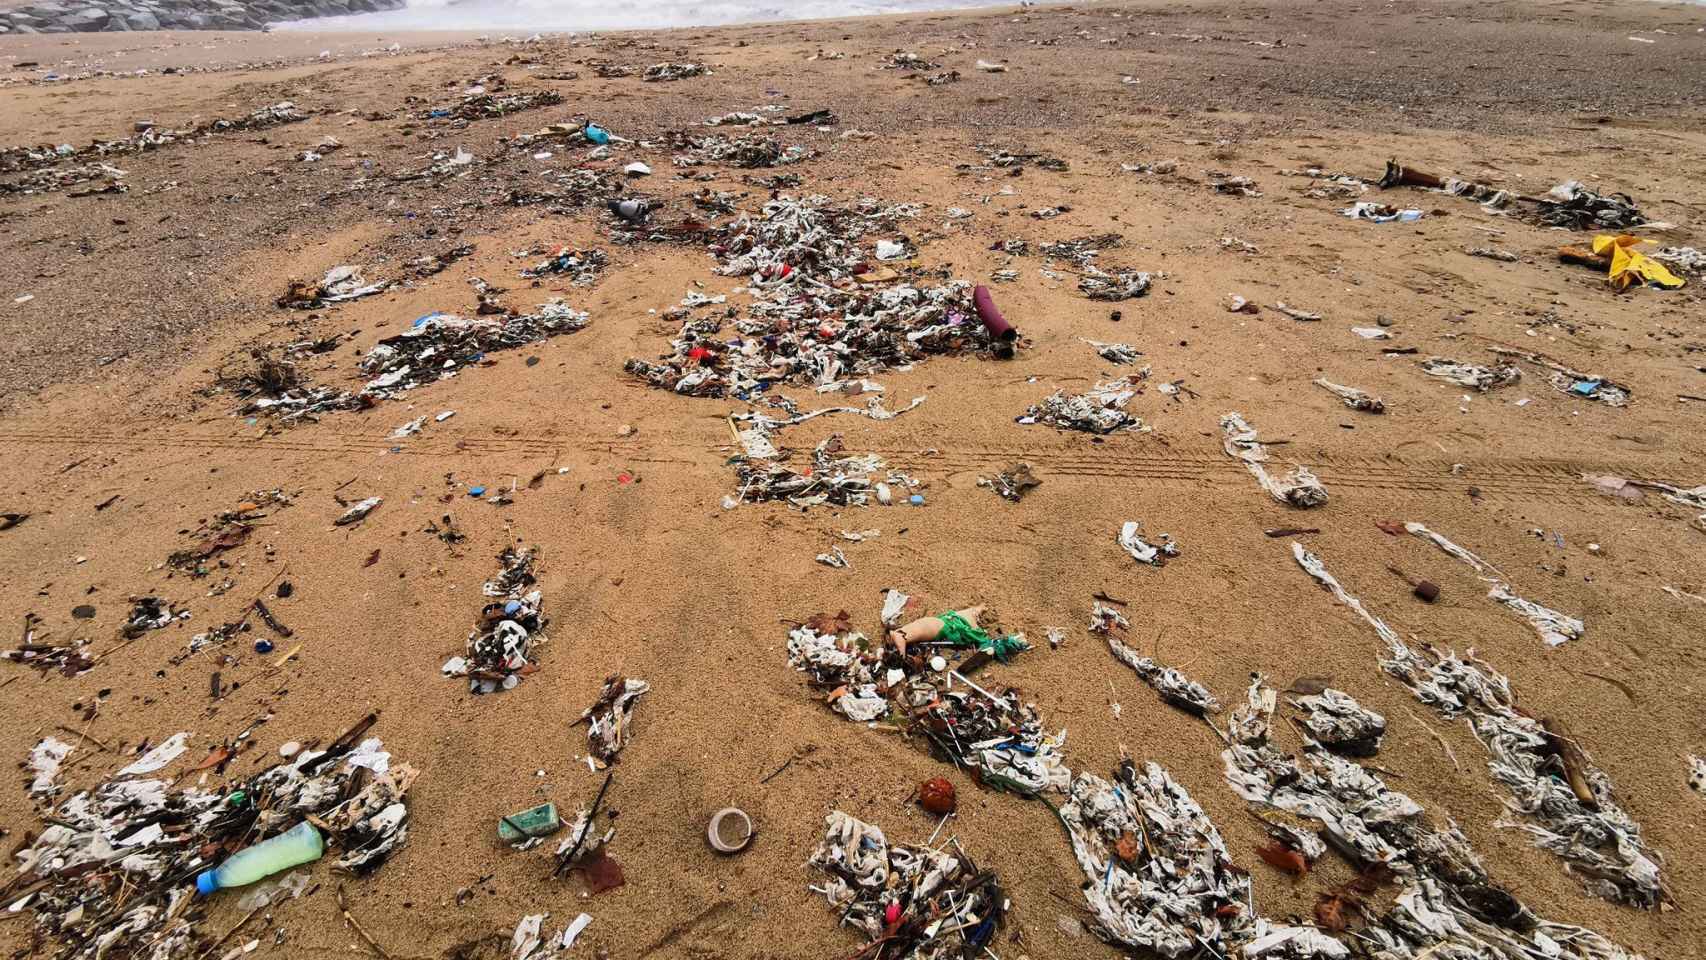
(139, 298)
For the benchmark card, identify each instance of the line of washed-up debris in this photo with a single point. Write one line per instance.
(1553, 627)
(437, 346)
(149, 138)
(610, 720)
(1570, 204)
(1566, 379)
(1352, 397)
(1559, 797)
(486, 105)
(1446, 904)
(1473, 375)
(674, 71)
(509, 629)
(116, 869)
(48, 179)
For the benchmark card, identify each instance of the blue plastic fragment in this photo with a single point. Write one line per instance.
(597, 134)
(512, 606)
(263, 645)
(1584, 388)
(476, 491)
(917, 500)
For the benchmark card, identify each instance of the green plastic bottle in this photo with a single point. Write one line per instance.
(300, 844)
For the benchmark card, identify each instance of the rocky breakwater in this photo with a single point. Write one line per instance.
(56, 16)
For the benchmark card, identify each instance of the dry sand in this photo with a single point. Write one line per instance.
(653, 579)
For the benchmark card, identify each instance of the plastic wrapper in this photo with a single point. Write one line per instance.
(1298, 488)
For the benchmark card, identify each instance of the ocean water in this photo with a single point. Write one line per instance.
(563, 16)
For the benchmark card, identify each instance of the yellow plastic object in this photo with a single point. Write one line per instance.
(1629, 264)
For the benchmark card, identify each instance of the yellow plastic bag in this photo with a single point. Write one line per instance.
(1629, 265)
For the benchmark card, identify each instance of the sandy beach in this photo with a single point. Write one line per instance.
(124, 310)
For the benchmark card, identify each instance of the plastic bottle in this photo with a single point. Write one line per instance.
(300, 844)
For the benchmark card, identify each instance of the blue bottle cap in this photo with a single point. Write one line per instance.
(918, 499)
(206, 883)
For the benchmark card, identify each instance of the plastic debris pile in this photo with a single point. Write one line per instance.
(1141, 550)
(1120, 353)
(1470, 374)
(1353, 398)
(746, 152)
(1299, 487)
(486, 106)
(809, 321)
(47, 180)
(912, 902)
(1226, 183)
(993, 735)
(658, 72)
(526, 943)
(583, 266)
(1447, 905)
(903, 60)
(839, 480)
(1572, 205)
(112, 871)
(441, 344)
(437, 346)
(1114, 285)
(1566, 379)
(1100, 409)
(509, 628)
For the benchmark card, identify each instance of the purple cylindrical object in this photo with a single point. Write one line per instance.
(993, 321)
